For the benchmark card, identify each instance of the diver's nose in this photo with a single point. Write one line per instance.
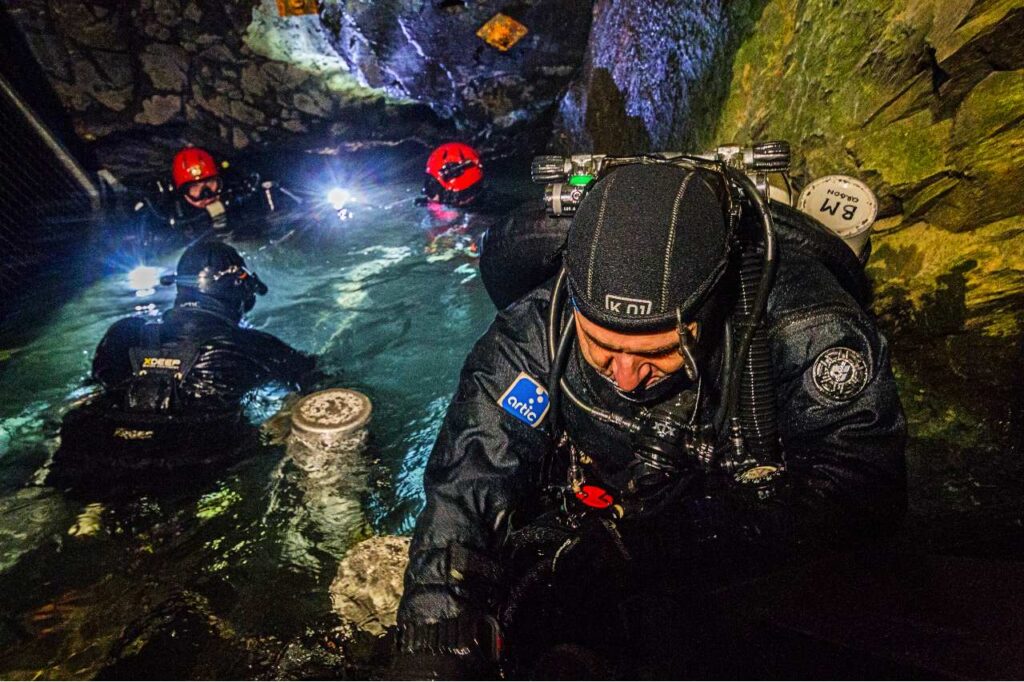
(629, 371)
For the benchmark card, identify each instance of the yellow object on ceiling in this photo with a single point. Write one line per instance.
(294, 8)
(502, 32)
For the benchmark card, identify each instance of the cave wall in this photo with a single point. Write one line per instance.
(141, 77)
(923, 99)
(498, 91)
(650, 71)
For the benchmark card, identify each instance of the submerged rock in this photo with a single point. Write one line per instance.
(368, 586)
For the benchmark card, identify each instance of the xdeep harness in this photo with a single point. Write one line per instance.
(158, 372)
(146, 426)
(742, 438)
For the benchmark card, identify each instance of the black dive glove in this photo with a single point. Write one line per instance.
(463, 648)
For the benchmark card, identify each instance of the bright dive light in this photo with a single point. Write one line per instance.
(337, 198)
(144, 278)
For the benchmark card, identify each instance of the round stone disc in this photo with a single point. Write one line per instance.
(336, 411)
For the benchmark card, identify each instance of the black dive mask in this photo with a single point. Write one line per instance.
(207, 193)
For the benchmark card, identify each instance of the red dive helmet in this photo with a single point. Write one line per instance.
(454, 174)
(192, 164)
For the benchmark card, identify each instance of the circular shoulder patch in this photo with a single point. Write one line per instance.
(840, 373)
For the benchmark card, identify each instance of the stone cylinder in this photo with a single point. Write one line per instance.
(329, 425)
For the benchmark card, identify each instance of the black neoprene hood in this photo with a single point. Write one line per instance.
(648, 239)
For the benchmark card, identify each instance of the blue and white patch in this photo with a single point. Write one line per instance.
(526, 400)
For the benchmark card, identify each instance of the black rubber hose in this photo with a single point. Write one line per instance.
(758, 266)
(555, 378)
(756, 400)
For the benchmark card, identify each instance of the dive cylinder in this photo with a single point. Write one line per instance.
(329, 423)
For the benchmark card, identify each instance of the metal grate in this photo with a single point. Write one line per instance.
(46, 199)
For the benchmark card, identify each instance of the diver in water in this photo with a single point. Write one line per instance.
(454, 175)
(209, 202)
(698, 398)
(461, 205)
(173, 390)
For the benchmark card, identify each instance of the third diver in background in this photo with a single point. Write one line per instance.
(173, 389)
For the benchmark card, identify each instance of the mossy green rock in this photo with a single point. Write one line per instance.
(923, 100)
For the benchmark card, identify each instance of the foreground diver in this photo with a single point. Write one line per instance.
(172, 390)
(613, 451)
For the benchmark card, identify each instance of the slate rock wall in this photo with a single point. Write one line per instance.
(141, 77)
(429, 51)
(923, 99)
(651, 73)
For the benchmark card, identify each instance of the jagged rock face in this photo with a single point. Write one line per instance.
(429, 51)
(368, 587)
(651, 68)
(923, 100)
(142, 77)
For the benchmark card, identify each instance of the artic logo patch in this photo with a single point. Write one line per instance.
(526, 400)
(840, 373)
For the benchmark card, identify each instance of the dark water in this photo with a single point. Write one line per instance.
(229, 578)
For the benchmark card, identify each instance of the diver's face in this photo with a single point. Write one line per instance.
(203, 192)
(630, 360)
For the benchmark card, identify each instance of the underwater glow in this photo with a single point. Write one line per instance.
(338, 198)
(144, 280)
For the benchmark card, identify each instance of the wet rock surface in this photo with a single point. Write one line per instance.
(368, 587)
(651, 71)
(432, 52)
(141, 78)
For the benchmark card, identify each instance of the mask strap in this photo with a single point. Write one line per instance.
(686, 343)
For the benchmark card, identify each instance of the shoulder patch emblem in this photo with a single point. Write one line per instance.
(526, 400)
(840, 373)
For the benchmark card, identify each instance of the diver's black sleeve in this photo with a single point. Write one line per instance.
(111, 365)
(843, 435)
(276, 361)
(478, 470)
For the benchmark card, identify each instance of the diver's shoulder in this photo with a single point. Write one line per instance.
(517, 337)
(528, 310)
(126, 327)
(809, 278)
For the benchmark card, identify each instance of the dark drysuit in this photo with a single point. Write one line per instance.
(841, 425)
(172, 395)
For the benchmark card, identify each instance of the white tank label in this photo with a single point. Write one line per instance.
(845, 205)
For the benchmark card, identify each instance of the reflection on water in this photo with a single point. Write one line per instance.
(231, 578)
